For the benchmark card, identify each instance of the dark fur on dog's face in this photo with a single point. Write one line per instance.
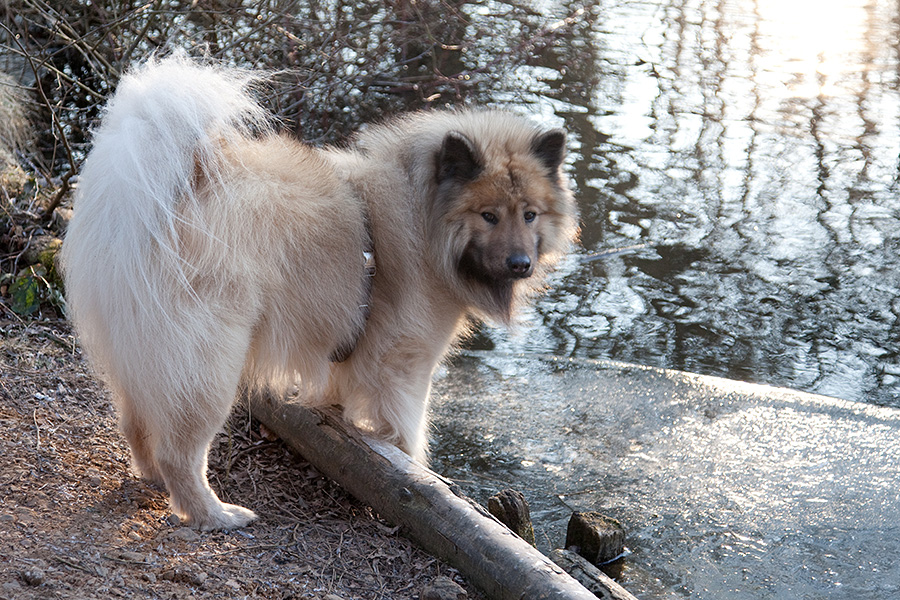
(507, 213)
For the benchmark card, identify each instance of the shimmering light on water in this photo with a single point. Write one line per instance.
(816, 42)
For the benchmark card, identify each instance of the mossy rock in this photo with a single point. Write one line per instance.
(44, 250)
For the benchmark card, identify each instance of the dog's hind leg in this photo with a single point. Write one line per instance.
(181, 451)
(182, 457)
(183, 417)
(139, 439)
(170, 447)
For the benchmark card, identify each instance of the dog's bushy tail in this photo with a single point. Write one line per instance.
(164, 129)
(166, 123)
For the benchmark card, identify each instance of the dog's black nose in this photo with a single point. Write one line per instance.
(519, 265)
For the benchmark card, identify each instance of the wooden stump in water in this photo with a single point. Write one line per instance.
(511, 509)
(597, 538)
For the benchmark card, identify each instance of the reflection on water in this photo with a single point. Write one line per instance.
(755, 145)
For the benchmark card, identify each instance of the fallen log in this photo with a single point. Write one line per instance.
(430, 509)
(602, 585)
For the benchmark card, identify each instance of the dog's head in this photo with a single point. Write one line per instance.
(506, 211)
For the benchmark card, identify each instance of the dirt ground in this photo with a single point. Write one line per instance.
(75, 523)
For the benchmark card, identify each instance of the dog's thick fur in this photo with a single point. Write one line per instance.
(208, 252)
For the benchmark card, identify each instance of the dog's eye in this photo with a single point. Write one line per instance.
(530, 215)
(490, 217)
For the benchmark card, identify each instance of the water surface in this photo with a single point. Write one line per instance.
(753, 147)
(727, 490)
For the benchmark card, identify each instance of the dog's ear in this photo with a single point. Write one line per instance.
(550, 148)
(457, 159)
